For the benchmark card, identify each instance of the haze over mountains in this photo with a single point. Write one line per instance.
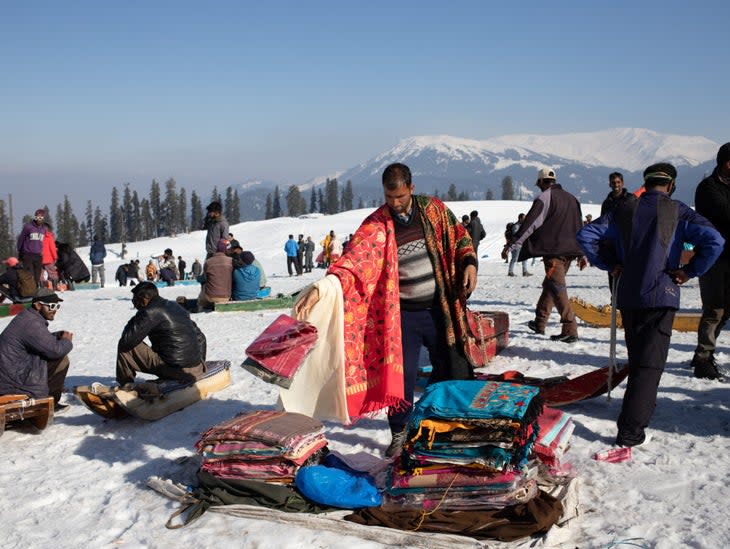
(582, 161)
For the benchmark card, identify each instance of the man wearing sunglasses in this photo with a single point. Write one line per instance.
(34, 361)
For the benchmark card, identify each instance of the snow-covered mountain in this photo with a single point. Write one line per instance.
(582, 161)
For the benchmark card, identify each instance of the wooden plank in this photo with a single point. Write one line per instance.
(38, 412)
(282, 302)
(86, 286)
(11, 309)
(601, 316)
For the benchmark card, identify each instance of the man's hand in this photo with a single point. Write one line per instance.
(505, 252)
(304, 305)
(679, 276)
(470, 280)
(65, 335)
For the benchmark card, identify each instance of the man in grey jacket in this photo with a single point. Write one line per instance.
(34, 361)
(217, 227)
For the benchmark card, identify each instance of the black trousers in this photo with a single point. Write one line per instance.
(34, 264)
(424, 328)
(648, 333)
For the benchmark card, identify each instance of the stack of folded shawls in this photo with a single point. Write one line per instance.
(263, 445)
(555, 429)
(467, 447)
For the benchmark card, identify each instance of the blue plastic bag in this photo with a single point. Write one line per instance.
(337, 485)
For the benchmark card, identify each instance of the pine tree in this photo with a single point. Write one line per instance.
(490, 195)
(180, 214)
(463, 196)
(313, 201)
(83, 236)
(116, 222)
(508, 191)
(293, 201)
(135, 221)
(89, 215)
(276, 207)
(148, 225)
(347, 197)
(228, 204)
(320, 200)
(127, 214)
(236, 210)
(100, 224)
(155, 209)
(169, 209)
(436, 193)
(451, 193)
(196, 212)
(332, 196)
(215, 196)
(360, 203)
(7, 244)
(269, 212)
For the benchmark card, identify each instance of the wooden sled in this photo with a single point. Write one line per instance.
(559, 391)
(37, 411)
(185, 282)
(154, 399)
(601, 316)
(86, 286)
(11, 309)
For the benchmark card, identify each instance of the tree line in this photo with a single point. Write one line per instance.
(165, 211)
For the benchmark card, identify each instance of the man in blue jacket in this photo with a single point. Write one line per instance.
(292, 249)
(647, 238)
(97, 253)
(34, 361)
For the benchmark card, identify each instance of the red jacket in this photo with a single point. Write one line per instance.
(50, 255)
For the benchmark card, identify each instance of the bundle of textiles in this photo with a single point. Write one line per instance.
(467, 448)
(263, 445)
(555, 429)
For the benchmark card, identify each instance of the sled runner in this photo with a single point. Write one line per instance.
(11, 309)
(154, 399)
(37, 411)
(601, 316)
(559, 391)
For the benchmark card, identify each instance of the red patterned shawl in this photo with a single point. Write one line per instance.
(368, 274)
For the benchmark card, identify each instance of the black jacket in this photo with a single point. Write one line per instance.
(70, 266)
(173, 335)
(611, 201)
(712, 201)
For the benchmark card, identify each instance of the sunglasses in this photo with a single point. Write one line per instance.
(52, 306)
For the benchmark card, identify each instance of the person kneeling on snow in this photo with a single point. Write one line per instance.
(34, 361)
(178, 347)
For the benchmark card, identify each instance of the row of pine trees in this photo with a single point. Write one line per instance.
(166, 211)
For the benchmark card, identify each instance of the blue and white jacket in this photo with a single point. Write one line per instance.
(647, 237)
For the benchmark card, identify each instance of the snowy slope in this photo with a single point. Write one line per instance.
(81, 482)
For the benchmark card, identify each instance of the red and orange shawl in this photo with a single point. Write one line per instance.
(368, 274)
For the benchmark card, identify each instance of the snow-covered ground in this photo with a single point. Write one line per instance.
(82, 481)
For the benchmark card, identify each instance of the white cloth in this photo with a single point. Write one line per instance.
(318, 388)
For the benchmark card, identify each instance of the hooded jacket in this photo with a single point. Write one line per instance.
(172, 333)
(26, 346)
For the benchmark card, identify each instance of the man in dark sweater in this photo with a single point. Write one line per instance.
(712, 200)
(548, 231)
(618, 195)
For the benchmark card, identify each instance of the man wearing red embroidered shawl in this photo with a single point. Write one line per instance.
(404, 278)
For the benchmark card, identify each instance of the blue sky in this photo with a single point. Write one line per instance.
(96, 94)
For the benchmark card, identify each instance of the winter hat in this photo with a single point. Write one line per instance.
(247, 258)
(11, 261)
(214, 207)
(44, 295)
(660, 174)
(222, 245)
(545, 173)
(723, 155)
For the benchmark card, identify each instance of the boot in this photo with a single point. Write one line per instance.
(706, 368)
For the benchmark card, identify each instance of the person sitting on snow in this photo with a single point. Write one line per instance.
(34, 361)
(177, 349)
(246, 278)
